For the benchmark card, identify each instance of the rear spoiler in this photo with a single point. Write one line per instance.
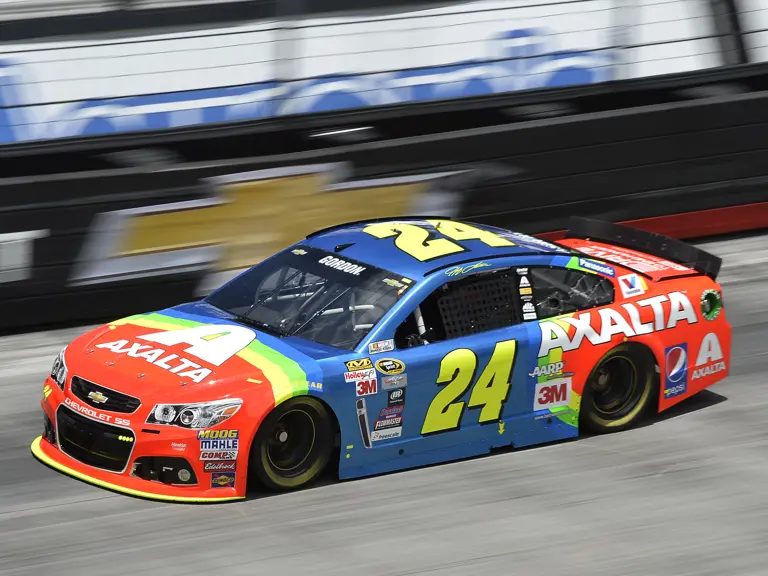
(647, 242)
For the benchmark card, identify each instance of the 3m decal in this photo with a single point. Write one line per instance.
(552, 394)
(458, 270)
(390, 366)
(96, 414)
(490, 391)
(676, 370)
(381, 346)
(222, 480)
(415, 240)
(709, 360)
(223, 466)
(366, 386)
(361, 364)
(631, 285)
(215, 234)
(612, 323)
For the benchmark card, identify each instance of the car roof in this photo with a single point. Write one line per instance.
(348, 240)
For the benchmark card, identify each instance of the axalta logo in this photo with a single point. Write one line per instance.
(597, 267)
(211, 343)
(613, 323)
(342, 265)
(710, 358)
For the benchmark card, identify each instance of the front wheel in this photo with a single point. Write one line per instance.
(293, 445)
(620, 390)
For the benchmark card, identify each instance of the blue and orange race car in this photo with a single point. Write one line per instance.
(387, 344)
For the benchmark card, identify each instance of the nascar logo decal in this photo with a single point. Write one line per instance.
(390, 366)
(676, 380)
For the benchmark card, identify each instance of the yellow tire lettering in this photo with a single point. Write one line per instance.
(491, 389)
(460, 231)
(414, 240)
(457, 369)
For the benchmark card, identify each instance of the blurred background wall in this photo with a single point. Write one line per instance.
(70, 67)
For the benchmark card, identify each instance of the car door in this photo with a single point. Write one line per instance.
(548, 292)
(450, 380)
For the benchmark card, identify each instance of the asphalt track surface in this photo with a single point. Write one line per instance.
(686, 494)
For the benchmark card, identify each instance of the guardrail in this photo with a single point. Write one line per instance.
(99, 244)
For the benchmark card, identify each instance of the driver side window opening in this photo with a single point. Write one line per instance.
(559, 291)
(471, 305)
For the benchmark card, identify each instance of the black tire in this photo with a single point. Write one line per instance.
(620, 390)
(293, 445)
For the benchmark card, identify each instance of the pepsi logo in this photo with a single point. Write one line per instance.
(677, 364)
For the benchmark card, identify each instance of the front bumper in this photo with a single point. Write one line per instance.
(130, 457)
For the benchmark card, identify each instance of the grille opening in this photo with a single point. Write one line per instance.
(103, 398)
(165, 469)
(94, 443)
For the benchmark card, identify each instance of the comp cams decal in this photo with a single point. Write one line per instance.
(613, 322)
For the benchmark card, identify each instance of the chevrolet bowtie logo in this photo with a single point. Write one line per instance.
(246, 218)
(97, 397)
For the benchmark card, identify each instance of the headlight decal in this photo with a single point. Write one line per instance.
(195, 416)
(59, 370)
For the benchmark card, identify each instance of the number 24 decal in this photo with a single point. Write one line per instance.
(414, 240)
(491, 389)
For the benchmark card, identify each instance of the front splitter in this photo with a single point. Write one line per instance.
(49, 456)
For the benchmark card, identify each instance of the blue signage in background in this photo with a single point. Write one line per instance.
(523, 62)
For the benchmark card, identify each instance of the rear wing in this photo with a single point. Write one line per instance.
(646, 242)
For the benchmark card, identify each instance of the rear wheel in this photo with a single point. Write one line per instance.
(293, 445)
(620, 390)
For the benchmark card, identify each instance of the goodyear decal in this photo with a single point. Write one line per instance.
(284, 374)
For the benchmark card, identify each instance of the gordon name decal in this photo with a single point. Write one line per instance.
(612, 323)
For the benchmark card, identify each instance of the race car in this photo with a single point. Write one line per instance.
(383, 345)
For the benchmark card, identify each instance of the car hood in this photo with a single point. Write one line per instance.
(187, 351)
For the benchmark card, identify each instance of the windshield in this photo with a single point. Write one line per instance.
(314, 294)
